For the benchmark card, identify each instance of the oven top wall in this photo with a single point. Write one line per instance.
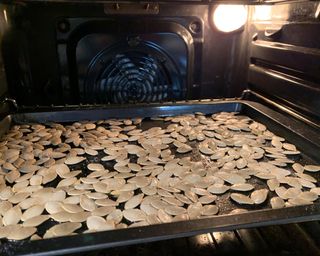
(64, 53)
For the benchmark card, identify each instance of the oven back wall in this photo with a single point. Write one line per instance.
(44, 67)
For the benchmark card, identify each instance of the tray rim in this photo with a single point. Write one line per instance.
(151, 233)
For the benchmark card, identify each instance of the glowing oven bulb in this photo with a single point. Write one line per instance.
(228, 18)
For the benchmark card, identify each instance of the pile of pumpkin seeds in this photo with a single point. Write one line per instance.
(112, 174)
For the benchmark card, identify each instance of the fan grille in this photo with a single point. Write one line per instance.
(131, 79)
(133, 76)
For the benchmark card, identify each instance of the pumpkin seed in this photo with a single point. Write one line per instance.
(78, 217)
(312, 168)
(134, 215)
(87, 203)
(206, 150)
(184, 149)
(116, 216)
(181, 217)
(74, 160)
(207, 199)
(174, 210)
(53, 207)
(259, 196)
(183, 199)
(297, 167)
(61, 169)
(35, 237)
(218, 189)
(67, 182)
(313, 190)
(289, 146)
(96, 223)
(280, 191)
(241, 199)
(308, 195)
(133, 201)
(277, 202)
(18, 197)
(35, 221)
(71, 208)
(12, 216)
(292, 193)
(33, 211)
(65, 229)
(134, 167)
(106, 202)
(231, 178)
(273, 184)
(61, 216)
(102, 211)
(298, 201)
(194, 210)
(209, 210)
(21, 233)
(163, 216)
(6, 193)
(6, 230)
(4, 207)
(95, 167)
(242, 187)
(91, 152)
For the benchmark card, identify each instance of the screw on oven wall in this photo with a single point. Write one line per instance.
(63, 26)
(195, 27)
(133, 41)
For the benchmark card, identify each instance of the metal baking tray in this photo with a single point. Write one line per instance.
(306, 138)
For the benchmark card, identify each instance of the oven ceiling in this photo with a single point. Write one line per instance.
(162, 1)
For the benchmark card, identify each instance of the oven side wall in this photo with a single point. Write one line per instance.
(284, 57)
(3, 29)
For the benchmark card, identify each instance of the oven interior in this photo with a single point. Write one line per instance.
(93, 53)
(84, 60)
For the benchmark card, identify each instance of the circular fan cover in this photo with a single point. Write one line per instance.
(132, 75)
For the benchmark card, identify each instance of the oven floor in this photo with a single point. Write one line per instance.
(292, 239)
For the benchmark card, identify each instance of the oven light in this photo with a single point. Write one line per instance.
(228, 18)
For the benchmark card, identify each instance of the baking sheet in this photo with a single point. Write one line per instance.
(257, 216)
